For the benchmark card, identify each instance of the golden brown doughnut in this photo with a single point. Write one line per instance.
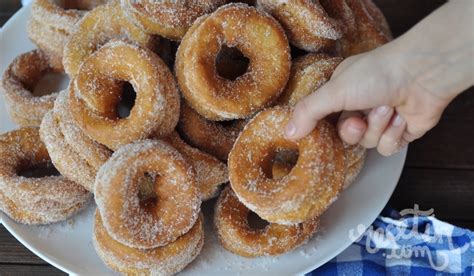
(94, 153)
(34, 200)
(170, 19)
(306, 23)
(96, 91)
(210, 172)
(355, 159)
(235, 234)
(308, 73)
(365, 26)
(261, 39)
(62, 15)
(51, 41)
(19, 81)
(307, 191)
(152, 223)
(212, 137)
(166, 260)
(65, 159)
(100, 25)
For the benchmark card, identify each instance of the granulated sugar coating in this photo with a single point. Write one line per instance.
(156, 224)
(235, 234)
(168, 18)
(306, 23)
(32, 200)
(210, 172)
(97, 90)
(18, 83)
(97, 28)
(311, 186)
(259, 37)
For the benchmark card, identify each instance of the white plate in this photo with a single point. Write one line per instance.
(68, 245)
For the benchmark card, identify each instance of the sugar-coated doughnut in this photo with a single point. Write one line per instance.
(34, 200)
(65, 159)
(308, 73)
(170, 19)
(306, 23)
(307, 191)
(100, 25)
(51, 42)
(166, 260)
(259, 37)
(147, 224)
(62, 15)
(235, 234)
(18, 82)
(355, 160)
(96, 91)
(94, 153)
(210, 172)
(215, 138)
(365, 26)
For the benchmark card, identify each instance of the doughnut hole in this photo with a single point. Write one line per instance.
(279, 162)
(231, 63)
(127, 100)
(38, 170)
(255, 222)
(49, 83)
(146, 191)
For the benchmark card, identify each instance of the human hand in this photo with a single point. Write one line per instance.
(396, 93)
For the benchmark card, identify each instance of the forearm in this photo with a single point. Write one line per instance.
(439, 51)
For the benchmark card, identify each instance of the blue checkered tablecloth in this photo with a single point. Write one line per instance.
(398, 244)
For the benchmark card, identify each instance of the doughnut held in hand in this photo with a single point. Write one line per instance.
(307, 191)
(259, 37)
(147, 224)
(235, 234)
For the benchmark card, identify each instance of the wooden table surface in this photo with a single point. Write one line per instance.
(438, 173)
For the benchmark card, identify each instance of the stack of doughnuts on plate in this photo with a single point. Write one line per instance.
(167, 102)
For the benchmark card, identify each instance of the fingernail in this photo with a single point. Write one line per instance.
(398, 121)
(382, 110)
(354, 129)
(290, 129)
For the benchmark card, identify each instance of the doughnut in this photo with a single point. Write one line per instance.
(151, 223)
(355, 159)
(62, 15)
(308, 73)
(94, 153)
(210, 172)
(365, 25)
(259, 37)
(212, 137)
(165, 260)
(236, 235)
(19, 81)
(51, 41)
(36, 199)
(65, 159)
(170, 19)
(306, 23)
(97, 28)
(96, 91)
(307, 191)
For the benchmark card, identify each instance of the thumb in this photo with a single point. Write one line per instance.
(314, 107)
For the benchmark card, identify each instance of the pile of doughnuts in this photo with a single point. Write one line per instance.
(167, 102)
